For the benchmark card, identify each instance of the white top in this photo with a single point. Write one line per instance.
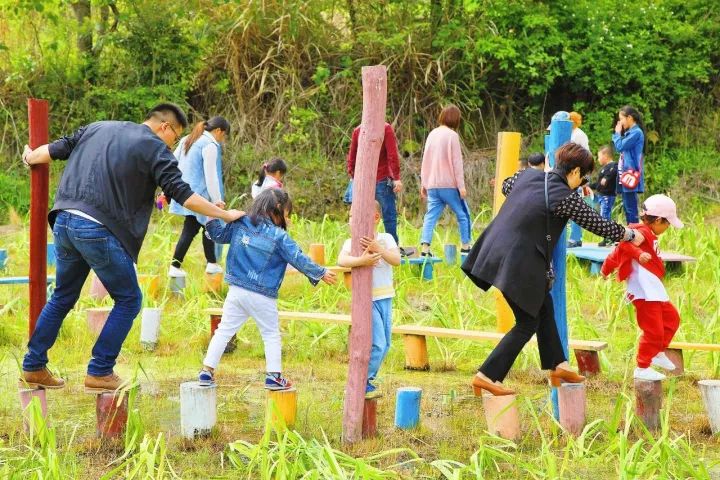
(642, 284)
(84, 215)
(212, 179)
(579, 137)
(382, 279)
(269, 182)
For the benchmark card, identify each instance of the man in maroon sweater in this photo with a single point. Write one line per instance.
(388, 177)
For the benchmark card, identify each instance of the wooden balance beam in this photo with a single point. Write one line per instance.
(675, 353)
(597, 255)
(415, 338)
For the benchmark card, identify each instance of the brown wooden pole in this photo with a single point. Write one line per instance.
(39, 177)
(372, 131)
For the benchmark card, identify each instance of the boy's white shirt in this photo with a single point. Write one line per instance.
(382, 279)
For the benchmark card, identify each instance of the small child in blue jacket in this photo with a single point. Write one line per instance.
(260, 249)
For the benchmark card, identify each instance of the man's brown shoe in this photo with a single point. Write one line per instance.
(40, 379)
(105, 384)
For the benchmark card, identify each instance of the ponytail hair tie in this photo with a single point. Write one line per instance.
(265, 166)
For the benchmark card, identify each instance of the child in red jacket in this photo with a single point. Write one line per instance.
(643, 269)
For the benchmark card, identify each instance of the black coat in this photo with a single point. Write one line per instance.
(511, 252)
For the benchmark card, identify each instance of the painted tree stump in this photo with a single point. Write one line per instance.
(347, 280)
(450, 252)
(198, 409)
(676, 357)
(150, 283)
(648, 402)
(571, 403)
(369, 426)
(96, 319)
(416, 355)
(588, 362)
(97, 289)
(177, 285)
(214, 322)
(111, 410)
(710, 391)
(213, 282)
(407, 407)
(26, 395)
(282, 408)
(150, 327)
(317, 253)
(502, 416)
(3, 258)
(505, 315)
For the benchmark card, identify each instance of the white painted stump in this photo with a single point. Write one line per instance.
(502, 415)
(177, 285)
(198, 409)
(710, 391)
(150, 327)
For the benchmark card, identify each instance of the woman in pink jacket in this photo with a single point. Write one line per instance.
(442, 179)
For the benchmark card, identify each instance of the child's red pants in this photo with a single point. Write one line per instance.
(658, 321)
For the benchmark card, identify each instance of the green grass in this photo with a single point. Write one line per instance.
(451, 442)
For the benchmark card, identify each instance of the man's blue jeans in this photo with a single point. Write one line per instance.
(437, 199)
(80, 245)
(386, 197)
(606, 205)
(630, 204)
(381, 333)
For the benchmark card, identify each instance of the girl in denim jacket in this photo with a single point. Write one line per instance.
(260, 249)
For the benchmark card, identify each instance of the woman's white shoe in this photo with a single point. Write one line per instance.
(648, 374)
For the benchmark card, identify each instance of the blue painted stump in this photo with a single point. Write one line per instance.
(451, 254)
(407, 407)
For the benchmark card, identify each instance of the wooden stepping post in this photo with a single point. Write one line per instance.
(26, 396)
(151, 283)
(369, 426)
(150, 327)
(450, 251)
(213, 282)
(111, 410)
(97, 289)
(407, 407)
(502, 416)
(571, 400)
(505, 315)
(347, 279)
(710, 391)
(214, 322)
(648, 401)
(282, 408)
(317, 253)
(588, 362)
(177, 285)
(416, 355)
(676, 356)
(3, 257)
(198, 409)
(96, 318)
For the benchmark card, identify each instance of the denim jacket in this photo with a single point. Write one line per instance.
(259, 254)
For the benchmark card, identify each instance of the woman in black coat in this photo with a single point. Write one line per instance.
(514, 254)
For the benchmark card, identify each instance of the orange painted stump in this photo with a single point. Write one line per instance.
(213, 282)
(648, 402)
(317, 253)
(369, 425)
(150, 283)
(347, 279)
(96, 318)
(416, 356)
(112, 412)
(571, 403)
(502, 416)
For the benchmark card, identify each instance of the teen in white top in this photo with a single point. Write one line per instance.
(382, 279)
(268, 183)
(579, 137)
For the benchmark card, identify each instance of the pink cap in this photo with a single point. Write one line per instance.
(662, 206)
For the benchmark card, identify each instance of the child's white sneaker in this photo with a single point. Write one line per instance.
(647, 374)
(213, 268)
(661, 360)
(176, 272)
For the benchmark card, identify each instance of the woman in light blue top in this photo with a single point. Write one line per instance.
(629, 139)
(200, 160)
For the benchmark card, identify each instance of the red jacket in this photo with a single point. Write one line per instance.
(388, 163)
(621, 257)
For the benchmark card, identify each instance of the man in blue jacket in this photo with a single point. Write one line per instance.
(100, 217)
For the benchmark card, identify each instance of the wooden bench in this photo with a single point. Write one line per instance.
(414, 338)
(424, 265)
(675, 353)
(597, 255)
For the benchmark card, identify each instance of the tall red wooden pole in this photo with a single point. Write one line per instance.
(372, 132)
(39, 178)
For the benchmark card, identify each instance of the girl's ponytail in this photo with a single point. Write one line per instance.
(274, 165)
(196, 133)
(261, 175)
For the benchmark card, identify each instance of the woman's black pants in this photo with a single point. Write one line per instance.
(497, 365)
(191, 227)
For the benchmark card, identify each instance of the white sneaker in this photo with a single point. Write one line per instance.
(647, 374)
(661, 360)
(213, 268)
(176, 272)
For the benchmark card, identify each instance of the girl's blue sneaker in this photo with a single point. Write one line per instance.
(205, 378)
(277, 382)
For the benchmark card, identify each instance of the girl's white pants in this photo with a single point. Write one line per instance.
(241, 304)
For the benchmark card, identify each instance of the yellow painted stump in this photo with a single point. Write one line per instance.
(150, 283)
(505, 315)
(282, 408)
(347, 278)
(317, 253)
(213, 282)
(416, 355)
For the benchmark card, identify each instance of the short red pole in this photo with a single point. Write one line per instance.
(39, 178)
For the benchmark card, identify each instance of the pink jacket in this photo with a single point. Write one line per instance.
(442, 165)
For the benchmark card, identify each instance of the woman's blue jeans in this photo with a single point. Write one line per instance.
(81, 245)
(437, 200)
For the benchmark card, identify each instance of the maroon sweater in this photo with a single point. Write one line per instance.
(388, 163)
